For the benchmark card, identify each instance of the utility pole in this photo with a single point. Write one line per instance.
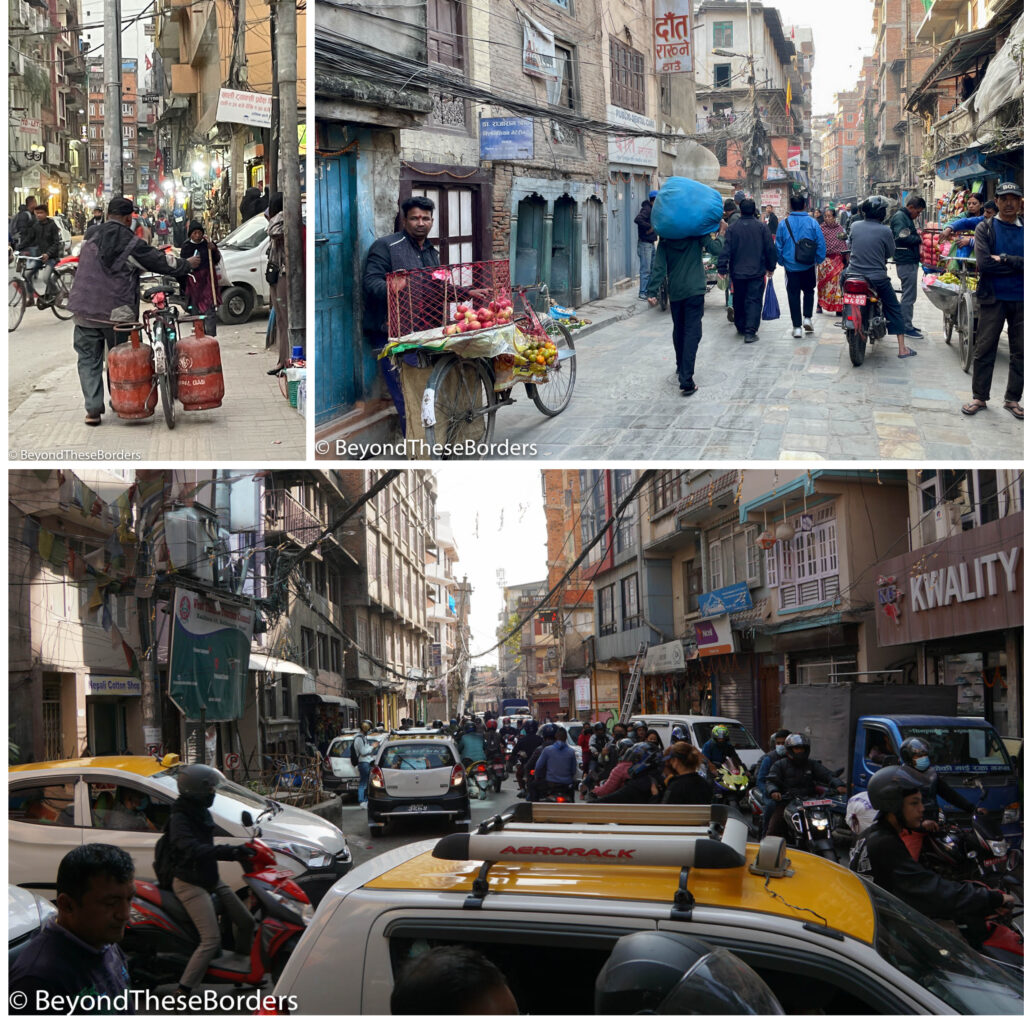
(286, 59)
(908, 49)
(271, 133)
(757, 135)
(238, 76)
(113, 144)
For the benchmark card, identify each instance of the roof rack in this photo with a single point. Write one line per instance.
(707, 837)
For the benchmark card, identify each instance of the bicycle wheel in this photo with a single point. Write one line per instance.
(164, 374)
(463, 406)
(553, 396)
(965, 330)
(61, 293)
(16, 300)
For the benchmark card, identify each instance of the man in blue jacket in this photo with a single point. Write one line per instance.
(801, 278)
(556, 765)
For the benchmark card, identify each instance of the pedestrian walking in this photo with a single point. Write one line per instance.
(844, 216)
(830, 293)
(253, 203)
(275, 274)
(179, 223)
(801, 245)
(22, 224)
(106, 292)
(772, 220)
(201, 288)
(162, 227)
(747, 256)
(999, 247)
(679, 260)
(908, 259)
(730, 214)
(646, 236)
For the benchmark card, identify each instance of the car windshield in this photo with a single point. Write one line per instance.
(938, 960)
(417, 757)
(228, 793)
(738, 736)
(574, 733)
(966, 748)
(247, 235)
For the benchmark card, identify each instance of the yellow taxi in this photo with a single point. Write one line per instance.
(546, 890)
(54, 806)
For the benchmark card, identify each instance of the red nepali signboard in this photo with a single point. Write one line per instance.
(673, 45)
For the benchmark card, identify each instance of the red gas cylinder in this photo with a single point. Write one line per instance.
(200, 377)
(130, 366)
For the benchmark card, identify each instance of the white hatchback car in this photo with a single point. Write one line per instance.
(56, 806)
(339, 774)
(245, 260)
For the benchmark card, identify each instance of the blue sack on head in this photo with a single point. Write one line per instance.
(686, 209)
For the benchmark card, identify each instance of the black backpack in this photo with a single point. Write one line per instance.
(353, 756)
(163, 866)
(805, 250)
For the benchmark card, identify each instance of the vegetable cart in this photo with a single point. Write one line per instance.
(953, 294)
(462, 338)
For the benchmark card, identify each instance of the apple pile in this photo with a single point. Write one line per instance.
(469, 318)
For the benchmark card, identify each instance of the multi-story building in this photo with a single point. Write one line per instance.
(744, 68)
(819, 127)
(843, 137)
(385, 598)
(442, 615)
(517, 663)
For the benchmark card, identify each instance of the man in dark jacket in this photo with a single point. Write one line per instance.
(74, 965)
(556, 765)
(999, 250)
(95, 221)
(408, 249)
(794, 775)
(253, 203)
(747, 255)
(730, 214)
(21, 225)
(771, 219)
(896, 795)
(646, 236)
(194, 857)
(43, 239)
(106, 292)
(908, 259)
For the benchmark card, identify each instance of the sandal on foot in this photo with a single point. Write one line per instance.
(92, 419)
(906, 355)
(973, 407)
(1014, 407)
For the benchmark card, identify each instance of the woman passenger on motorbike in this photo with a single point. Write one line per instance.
(683, 784)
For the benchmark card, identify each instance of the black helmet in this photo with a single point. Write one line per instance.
(623, 745)
(599, 726)
(888, 787)
(794, 740)
(638, 752)
(199, 782)
(530, 727)
(437, 724)
(470, 726)
(420, 723)
(548, 731)
(875, 208)
(638, 723)
(665, 973)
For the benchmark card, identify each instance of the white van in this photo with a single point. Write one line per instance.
(697, 730)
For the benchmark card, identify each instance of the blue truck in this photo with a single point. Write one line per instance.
(859, 727)
(515, 707)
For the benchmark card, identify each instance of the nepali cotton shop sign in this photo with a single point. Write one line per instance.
(968, 583)
(209, 659)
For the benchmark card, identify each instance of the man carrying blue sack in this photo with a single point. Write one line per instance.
(801, 246)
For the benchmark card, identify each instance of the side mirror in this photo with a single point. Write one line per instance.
(246, 819)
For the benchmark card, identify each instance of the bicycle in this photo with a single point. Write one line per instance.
(161, 326)
(21, 295)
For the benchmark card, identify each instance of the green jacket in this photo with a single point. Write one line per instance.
(680, 259)
(908, 247)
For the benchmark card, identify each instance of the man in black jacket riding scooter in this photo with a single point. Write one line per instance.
(794, 775)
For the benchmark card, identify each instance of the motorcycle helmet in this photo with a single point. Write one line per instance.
(623, 745)
(469, 727)
(491, 724)
(638, 752)
(437, 724)
(199, 782)
(420, 723)
(720, 733)
(916, 753)
(600, 727)
(366, 725)
(677, 734)
(795, 741)
(530, 727)
(548, 732)
(506, 721)
(888, 788)
(663, 973)
(653, 194)
(874, 208)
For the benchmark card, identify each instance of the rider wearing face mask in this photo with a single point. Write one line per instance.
(915, 753)
(777, 750)
(194, 859)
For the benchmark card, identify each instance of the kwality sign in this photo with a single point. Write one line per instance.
(968, 583)
(209, 657)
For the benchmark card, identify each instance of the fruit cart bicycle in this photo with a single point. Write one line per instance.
(508, 342)
(955, 299)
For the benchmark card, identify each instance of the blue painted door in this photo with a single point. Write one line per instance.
(344, 364)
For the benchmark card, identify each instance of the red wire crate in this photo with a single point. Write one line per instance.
(466, 296)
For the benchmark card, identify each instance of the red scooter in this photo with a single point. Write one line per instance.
(160, 937)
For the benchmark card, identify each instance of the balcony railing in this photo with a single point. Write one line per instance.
(954, 131)
(286, 515)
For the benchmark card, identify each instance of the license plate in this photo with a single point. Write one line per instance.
(816, 803)
(856, 300)
(993, 862)
(417, 807)
(352, 784)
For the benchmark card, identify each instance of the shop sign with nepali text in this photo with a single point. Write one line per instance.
(240, 107)
(673, 48)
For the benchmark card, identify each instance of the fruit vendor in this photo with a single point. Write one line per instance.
(408, 249)
(976, 213)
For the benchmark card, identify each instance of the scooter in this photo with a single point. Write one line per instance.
(863, 318)
(479, 779)
(160, 937)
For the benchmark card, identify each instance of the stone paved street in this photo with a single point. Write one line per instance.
(780, 398)
(46, 413)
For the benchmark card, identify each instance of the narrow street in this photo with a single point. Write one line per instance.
(780, 398)
(46, 415)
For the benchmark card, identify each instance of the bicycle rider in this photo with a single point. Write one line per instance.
(106, 292)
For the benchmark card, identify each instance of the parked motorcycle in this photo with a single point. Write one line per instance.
(160, 937)
(863, 318)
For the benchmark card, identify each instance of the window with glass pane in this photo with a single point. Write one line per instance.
(628, 79)
(630, 603)
(694, 585)
(668, 489)
(606, 609)
(721, 34)
(625, 535)
(715, 554)
(806, 569)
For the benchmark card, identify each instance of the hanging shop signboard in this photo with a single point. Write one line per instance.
(113, 686)
(581, 686)
(672, 43)
(240, 107)
(506, 138)
(665, 658)
(631, 150)
(714, 636)
(209, 658)
(735, 598)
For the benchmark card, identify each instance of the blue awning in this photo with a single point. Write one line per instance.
(967, 165)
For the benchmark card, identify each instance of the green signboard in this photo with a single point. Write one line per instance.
(209, 660)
